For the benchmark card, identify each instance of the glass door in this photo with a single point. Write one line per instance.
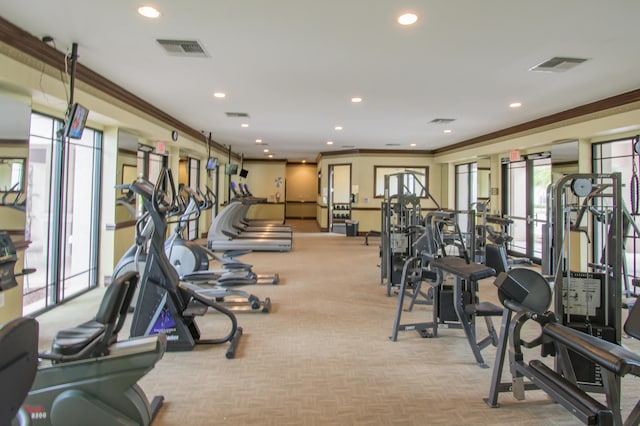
(525, 190)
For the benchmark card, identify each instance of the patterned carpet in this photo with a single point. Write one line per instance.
(323, 355)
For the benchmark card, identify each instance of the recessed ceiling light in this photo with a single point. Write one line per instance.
(270, 156)
(356, 100)
(447, 131)
(258, 140)
(407, 19)
(413, 144)
(244, 125)
(304, 161)
(219, 95)
(329, 142)
(265, 150)
(338, 127)
(148, 11)
(515, 105)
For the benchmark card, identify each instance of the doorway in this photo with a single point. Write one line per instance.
(339, 197)
(527, 209)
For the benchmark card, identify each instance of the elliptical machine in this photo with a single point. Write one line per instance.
(165, 304)
(206, 284)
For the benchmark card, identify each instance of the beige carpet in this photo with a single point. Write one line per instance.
(323, 356)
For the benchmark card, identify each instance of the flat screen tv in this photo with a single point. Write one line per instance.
(231, 169)
(75, 121)
(212, 163)
(244, 173)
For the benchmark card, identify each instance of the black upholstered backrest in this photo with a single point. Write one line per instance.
(18, 365)
(632, 325)
(111, 302)
(496, 258)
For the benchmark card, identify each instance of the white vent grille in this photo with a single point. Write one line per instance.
(558, 64)
(187, 48)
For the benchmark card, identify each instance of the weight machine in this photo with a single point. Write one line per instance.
(587, 210)
(401, 224)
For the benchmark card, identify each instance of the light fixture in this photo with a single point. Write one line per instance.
(304, 161)
(447, 130)
(338, 127)
(148, 11)
(244, 125)
(258, 140)
(265, 150)
(413, 144)
(219, 95)
(515, 104)
(270, 156)
(407, 19)
(329, 142)
(356, 100)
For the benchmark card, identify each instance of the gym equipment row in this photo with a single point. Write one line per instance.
(191, 260)
(230, 229)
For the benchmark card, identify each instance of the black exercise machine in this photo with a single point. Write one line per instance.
(528, 295)
(455, 306)
(165, 304)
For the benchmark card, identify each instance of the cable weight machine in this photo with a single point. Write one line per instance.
(587, 211)
(401, 224)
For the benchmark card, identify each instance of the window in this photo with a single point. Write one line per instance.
(419, 184)
(619, 156)
(62, 214)
(466, 185)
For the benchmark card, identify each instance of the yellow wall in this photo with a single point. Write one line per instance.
(302, 190)
(266, 179)
(366, 210)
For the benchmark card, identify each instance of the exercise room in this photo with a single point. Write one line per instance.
(319, 213)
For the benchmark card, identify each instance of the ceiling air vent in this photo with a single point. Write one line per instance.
(189, 48)
(237, 114)
(442, 120)
(558, 64)
(391, 144)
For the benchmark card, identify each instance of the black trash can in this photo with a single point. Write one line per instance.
(352, 228)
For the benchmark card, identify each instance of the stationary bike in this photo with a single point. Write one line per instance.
(91, 375)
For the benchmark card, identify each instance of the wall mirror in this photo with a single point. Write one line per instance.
(12, 172)
(484, 179)
(421, 174)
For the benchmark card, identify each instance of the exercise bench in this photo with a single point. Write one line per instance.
(466, 303)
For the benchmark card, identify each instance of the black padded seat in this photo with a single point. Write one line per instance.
(459, 267)
(609, 355)
(72, 341)
(484, 309)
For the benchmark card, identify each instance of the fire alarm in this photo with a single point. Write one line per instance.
(174, 135)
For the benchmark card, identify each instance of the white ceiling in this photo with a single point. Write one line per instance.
(294, 65)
